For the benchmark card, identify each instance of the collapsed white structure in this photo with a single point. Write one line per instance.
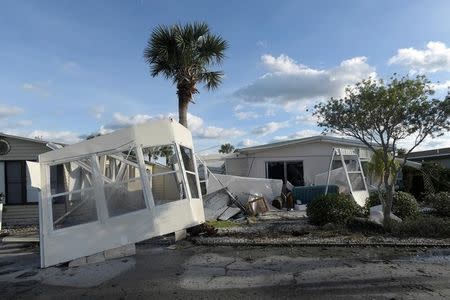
(346, 171)
(117, 189)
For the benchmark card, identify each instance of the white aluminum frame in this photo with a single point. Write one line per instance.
(359, 196)
(64, 244)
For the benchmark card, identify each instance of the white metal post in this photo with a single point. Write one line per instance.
(329, 170)
(99, 190)
(362, 173)
(148, 195)
(346, 171)
(45, 210)
(183, 173)
(197, 179)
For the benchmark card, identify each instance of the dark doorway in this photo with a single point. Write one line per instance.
(275, 170)
(291, 171)
(294, 173)
(16, 182)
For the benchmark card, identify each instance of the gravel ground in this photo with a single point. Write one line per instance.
(20, 230)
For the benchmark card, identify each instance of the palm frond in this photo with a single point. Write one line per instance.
(184, 53)
(212, 79)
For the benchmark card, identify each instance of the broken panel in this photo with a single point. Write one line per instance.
(71, 191)
(116, 189)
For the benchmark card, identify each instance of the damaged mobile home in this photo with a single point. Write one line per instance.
(117, 189)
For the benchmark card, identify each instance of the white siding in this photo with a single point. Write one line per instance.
(315, 157)
(237, 166)
(33, 181)
(2, 177)
(23, 150)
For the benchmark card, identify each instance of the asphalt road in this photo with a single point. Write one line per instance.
(199, 272)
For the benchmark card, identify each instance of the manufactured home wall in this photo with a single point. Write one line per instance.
(2, 177)
(315, 157)
(23, 150)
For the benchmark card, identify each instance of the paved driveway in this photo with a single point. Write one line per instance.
(198, 272)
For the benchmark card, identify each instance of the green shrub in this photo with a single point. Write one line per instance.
(440, 202)
(332, 208)
(404, 205)
(422, 226)
(365, 226)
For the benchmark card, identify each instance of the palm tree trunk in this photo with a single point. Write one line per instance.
(184, 98)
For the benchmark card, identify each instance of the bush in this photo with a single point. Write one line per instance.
(423, 226)
(365, 226)
(332, 208)
(440, 202)
(404, 205)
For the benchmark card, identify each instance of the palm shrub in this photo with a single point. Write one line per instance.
(332, 208)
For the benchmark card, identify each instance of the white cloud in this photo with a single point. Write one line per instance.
(429, 143)
(66, 137)
(24, 123)
(246, 115)
(97, 111)
(70, 66)
(436, 57)
(298, 135)
(38, 88)
(307, 118)
(239, 107)
(7, 111)
(195, 124)
(270, 112)
(120, 120)
(269, 128)
(212, 132)
(248, 143)
(261, 43)
(441, 86)
(295, 85)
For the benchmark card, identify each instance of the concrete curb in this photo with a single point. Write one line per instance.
(212, 241)
(20, 239)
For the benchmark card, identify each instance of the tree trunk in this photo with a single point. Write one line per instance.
(184, 97)
(387, 205)
(182, 111)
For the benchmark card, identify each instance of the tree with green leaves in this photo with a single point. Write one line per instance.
(186, 54)
(383, 115)
(376, 169)
(226, 148)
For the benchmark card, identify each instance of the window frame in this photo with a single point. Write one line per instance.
(285, 162)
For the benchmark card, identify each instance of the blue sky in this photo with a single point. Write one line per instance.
(71, 68)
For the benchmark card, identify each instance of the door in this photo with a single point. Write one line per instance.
(16, 188)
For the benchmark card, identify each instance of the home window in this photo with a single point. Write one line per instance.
(291, 171)
(164, 173)
(188, 161)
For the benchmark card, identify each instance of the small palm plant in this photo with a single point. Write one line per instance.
(185, 54)
(226, 148)
(375, 169)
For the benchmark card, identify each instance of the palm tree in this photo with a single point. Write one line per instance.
(186, 54)
(167, 152)
(226, 148)
(375, 169)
